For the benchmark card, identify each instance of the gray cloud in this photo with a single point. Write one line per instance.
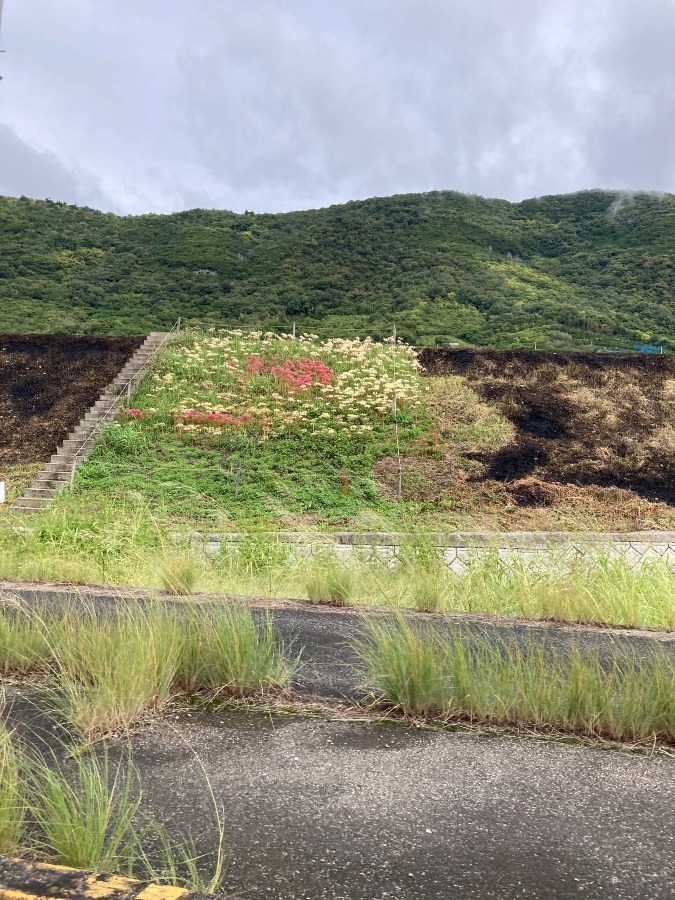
(38, 173)
(286, 104)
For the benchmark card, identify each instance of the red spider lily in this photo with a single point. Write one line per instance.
(213, 418)
(132, 413)
(295, 374)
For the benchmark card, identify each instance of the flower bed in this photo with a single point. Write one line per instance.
(258, 427)
(269, 385)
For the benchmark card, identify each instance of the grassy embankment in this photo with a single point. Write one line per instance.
(237, 431)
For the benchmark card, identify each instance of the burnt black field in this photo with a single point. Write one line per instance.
(604, 420)
(47, 384)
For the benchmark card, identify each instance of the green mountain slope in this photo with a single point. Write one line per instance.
(593, 267)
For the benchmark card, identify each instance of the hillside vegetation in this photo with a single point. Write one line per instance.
(563, 271)
(237, 429)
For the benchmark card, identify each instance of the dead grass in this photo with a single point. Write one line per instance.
(559, 442)
(17, 477)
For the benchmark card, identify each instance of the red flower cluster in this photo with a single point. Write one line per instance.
(132, 413)
(202, 418)
(213, 418)
(296, 374)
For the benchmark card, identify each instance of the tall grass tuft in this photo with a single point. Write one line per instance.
(86, 817)
(24, 643)
(225, 649)
(423, 672)
(430, 590)
(12, 795)
(329, 582)
(112, 669)
(179, 574)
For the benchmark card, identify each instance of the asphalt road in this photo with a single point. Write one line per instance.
(352, 811)
(359, 811)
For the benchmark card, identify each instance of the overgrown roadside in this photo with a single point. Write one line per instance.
(325, 643)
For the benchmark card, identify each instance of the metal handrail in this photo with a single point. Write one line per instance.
(114, 403)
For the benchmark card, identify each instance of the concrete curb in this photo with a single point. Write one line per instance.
(540, 540)
(458, 549)
(23, 880)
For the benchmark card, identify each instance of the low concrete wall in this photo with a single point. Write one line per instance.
(458, 548)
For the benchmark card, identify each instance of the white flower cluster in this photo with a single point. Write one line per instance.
(360, 386)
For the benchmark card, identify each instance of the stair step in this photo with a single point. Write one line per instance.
(56, 483)
(31, 503)
(37, 493)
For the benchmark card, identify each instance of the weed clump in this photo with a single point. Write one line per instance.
(226, 650)
(87, 813)
(330, 583)
(86, 817)
(423, 673)
(110, 670)
(12, 795)
(179, 574)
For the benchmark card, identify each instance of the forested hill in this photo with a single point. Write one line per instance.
(589, 268)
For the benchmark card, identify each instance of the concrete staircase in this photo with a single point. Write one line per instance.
(56, 475)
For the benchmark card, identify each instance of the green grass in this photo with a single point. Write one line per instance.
(109, 671)
(24, 643)
(86, 816)
(179, 573)
(329, 582)
(225, 650)
(12, 795)
(423, 672)
(87, 813)
(112, 670)
(285, 450)
(130, 548)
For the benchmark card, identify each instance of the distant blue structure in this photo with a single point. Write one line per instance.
(647, 348)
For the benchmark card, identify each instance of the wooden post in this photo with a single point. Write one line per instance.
(237, 480)
(72, 474)
(294, 329)
(178, 326)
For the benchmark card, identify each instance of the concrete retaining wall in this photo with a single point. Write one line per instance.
(458, 548)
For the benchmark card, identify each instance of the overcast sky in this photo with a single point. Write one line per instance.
(271, 105)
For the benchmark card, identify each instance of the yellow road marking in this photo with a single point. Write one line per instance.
(98, 887)
(92, 886)
(162, 892)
